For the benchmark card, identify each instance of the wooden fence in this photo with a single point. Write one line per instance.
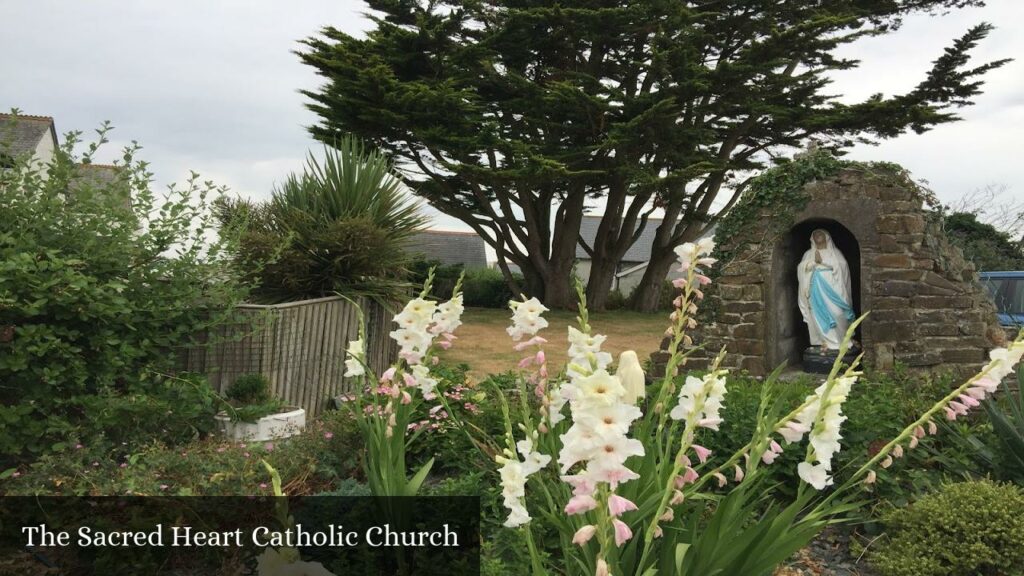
(298, 346)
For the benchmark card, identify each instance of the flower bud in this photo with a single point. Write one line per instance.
(870, 479)
(887, 462)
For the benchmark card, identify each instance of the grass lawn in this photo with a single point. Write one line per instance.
(487, 348)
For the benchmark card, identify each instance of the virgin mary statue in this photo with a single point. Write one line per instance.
(825, 296)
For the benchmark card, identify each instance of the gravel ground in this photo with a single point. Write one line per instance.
(829, 555)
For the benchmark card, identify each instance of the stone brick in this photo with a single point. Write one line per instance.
(741, 268)
(889, 302)
(748, 331)
(889, 193)
(934, 302)
(963, 355)
(893, 315)
(971, 328)
(938, 330)
(933, 279)
(900, 274)
(730, 292)
(746, 347)
(894, 261)
(753, 365)
(901, 224)
(894, 331)
(921, 359)
(896, 288)
(753, 292)
(925, 264)
(740, 307)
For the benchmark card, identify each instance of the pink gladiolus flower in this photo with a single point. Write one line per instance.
(525, 362)
(959, 408)
(677, 498)
(667, 516)
(968, 401)
(688, 477)
(679, 282)
(583, 535)
(768, 457)
(976, 393)
(388, 375)
(950, 414)
(444, 344)
(919, 432)
(658, 532)
(739, 474)
(580, 504)
(602, 568)
(622, 532)
(540, 359)
(722, 480)
(617, 505)
(987, 383)
(932, 428)
(406, 398)
(775, 447)
(409, 379)
(913, 442)
(897, 451)
(702, 453)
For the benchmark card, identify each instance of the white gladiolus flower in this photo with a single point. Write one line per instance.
(700, 400)
(815, 474)
(600, 389)
(526, 318)
(448, 316)
(356, 355)
(514, 474)
(823, 418)
(424, 381)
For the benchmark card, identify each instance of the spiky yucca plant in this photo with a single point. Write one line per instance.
(339, 226)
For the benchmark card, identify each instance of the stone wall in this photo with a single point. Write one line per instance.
(927, 308)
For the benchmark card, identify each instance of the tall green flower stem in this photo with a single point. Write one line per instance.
(902, 437)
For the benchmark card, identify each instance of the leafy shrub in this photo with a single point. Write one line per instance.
(91, 305)
(340, 226)
(966, 529)
(486, 288)
(616, 300)
(249, 389)
(310, 463)
(445, 276)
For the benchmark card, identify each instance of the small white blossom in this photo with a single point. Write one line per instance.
(355, 357)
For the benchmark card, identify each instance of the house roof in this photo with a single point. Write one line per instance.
(640, 251)
(100, 177)
(466, 248)
(21, 134)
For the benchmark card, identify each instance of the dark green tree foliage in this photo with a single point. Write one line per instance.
(515, 116)
(984, 245)
(97, 297)
(340, 226)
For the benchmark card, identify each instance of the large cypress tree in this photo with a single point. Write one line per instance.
(516, 116)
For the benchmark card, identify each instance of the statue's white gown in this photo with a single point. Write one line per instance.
(826, 303)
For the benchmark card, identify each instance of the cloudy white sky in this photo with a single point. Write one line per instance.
(212, 86)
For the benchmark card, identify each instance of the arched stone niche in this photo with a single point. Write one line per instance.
(926, 308)
(786, 333)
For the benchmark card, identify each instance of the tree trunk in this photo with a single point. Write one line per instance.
(599, 285)
(648, 292)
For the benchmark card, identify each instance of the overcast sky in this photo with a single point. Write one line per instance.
(212, 86)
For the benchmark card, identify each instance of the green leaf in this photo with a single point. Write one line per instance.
(417, 480)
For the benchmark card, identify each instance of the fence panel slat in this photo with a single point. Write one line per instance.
(298, 346)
